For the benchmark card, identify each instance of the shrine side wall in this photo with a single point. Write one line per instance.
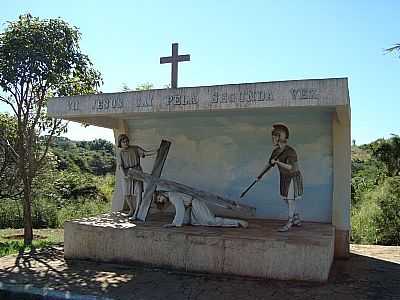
(223, 152)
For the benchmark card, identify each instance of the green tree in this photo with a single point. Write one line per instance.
(9, 181)
(141, 87)
(100, 144)
(125, 87)
(39, 59)
(388, 220)
(144, 86)
(388, 152)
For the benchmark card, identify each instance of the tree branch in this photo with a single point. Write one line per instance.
(16, 195)
(6, 145)
(56, 124)
(16, 94)
(4, 166)
(9, 103)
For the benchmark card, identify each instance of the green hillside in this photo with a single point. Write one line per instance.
(78, 180)
(96, 157)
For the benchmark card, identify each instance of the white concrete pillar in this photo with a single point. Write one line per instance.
(341, 202)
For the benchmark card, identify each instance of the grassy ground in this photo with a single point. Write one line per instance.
(12, 240)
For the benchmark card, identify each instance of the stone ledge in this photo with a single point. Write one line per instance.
(304, 253)
(329, 92)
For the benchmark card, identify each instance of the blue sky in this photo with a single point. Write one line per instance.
(240, 41)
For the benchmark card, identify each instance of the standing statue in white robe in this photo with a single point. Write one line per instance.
(191, 211)
(129, 159)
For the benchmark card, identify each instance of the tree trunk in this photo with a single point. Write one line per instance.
(27, 203)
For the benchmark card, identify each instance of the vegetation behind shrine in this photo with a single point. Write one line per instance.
(375, 192)
(79, 180)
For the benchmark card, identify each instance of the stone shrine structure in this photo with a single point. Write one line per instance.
(221, 138)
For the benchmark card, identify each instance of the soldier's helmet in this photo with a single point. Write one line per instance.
(277, 128)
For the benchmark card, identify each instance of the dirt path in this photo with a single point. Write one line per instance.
(388, 253)
(372, 272)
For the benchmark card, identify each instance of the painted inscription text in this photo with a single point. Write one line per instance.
(182, 100)
(243, 96)
(144, 102)
(108, 103)
(73, 105)
(105, 103)
(300, 94)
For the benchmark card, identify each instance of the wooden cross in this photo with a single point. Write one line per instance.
(174, 60)
(151, 186)
(211, 198)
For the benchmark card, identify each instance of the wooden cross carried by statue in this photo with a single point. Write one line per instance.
(153, 181)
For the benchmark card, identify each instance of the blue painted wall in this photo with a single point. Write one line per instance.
(224, 152)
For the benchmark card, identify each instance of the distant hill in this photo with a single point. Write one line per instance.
(96, 157)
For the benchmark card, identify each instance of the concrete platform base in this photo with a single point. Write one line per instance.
(304, 253)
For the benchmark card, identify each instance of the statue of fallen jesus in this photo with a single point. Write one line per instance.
(191, 211)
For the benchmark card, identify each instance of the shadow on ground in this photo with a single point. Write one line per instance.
(360, 277)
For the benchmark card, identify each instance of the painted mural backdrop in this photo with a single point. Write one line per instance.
(224, 152)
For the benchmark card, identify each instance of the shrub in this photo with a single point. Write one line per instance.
(376, 218)
(60, 196)
(44, 213)
(363, 229)
(65, 186)
(366, 176)
(81, 209)
(388, 220)
(105, 185)
(11, 215)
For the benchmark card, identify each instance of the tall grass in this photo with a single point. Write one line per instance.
(80, 210)
(46, 214)
(106, 184)
(363, 227)
(51, 211)
(376, 217)
(11, 241)
(11, 215)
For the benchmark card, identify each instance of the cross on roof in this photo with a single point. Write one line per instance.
(174, 59)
